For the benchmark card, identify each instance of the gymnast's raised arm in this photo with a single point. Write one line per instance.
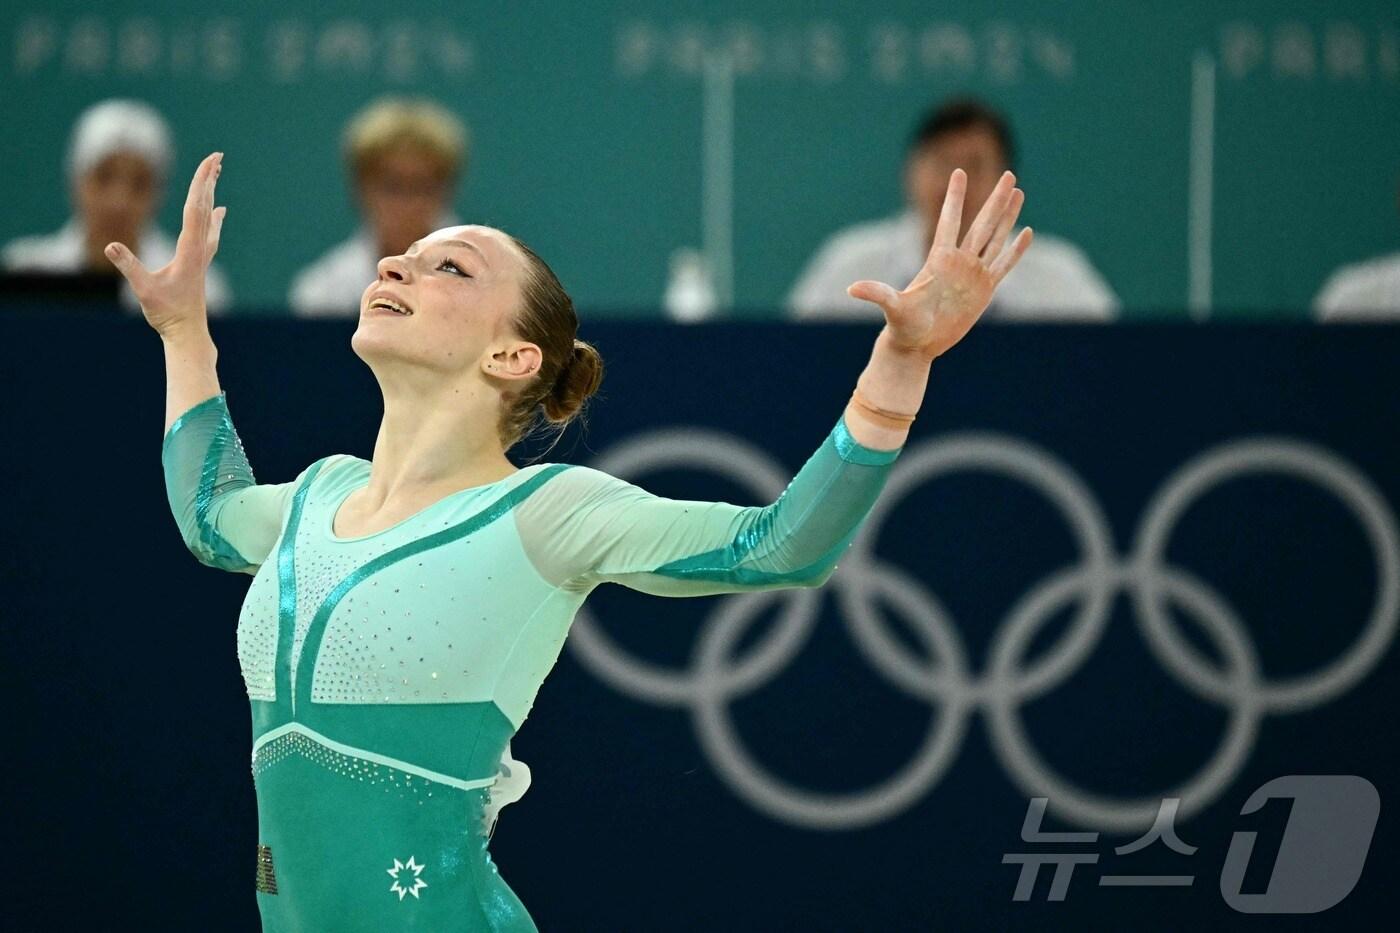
(226, 519)
(172, 297)
(600, 528)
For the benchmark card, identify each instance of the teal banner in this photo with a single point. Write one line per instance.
(1248, 147)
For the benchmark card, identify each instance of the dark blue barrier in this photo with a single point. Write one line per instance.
(1114, 565)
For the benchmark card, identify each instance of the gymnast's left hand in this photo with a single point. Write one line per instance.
(956, 283)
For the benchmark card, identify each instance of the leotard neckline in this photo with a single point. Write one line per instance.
(329, 526)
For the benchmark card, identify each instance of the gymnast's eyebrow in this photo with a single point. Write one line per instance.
(472, 246)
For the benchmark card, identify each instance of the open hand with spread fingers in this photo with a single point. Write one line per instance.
(955, 285)
(172, 296)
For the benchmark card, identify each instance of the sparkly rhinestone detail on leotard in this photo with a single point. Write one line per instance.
(365, 656)
(406, 785)
(257, 635)
(319, 569)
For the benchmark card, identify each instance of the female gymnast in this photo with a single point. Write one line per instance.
(404, 611)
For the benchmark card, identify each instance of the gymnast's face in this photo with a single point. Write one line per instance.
(446, 306)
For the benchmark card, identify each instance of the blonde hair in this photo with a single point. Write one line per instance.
(393, 122)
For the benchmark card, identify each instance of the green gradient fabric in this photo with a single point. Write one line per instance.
(388, 672)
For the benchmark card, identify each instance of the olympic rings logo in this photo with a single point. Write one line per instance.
(716, 677)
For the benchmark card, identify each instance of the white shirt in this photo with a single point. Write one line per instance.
(333, 285)
(1053, 281)
(1364, 291)
(65, 252)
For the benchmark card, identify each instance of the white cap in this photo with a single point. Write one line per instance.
(120, 125)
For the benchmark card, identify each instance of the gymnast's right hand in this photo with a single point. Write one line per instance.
(172, 297)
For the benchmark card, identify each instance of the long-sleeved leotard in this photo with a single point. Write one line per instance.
(388, 672)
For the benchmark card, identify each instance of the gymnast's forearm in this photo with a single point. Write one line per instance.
(190, 375)
(895, 379)
(225, 518)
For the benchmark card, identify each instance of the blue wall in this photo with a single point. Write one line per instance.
(129, 794)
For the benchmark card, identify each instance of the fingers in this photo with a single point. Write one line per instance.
(199, 199)
(875, 292)
(1012, 254)
(199, 202)
(950, 219)
(128, 265)
(1003, 230)
(981, 230)
(216, 226)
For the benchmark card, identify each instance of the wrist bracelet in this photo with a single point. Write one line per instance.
(881, 416)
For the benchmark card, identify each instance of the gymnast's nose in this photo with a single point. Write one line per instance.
(393, 267)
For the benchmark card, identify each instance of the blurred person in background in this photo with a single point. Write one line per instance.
(1053, 281)
(119, 157)
(404, 158)
(1363, 291)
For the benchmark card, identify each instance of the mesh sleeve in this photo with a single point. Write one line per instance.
(226, 519)
(587, 527)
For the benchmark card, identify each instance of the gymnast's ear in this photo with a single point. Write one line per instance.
(518, 359)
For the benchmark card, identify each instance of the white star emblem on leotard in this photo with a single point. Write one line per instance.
(417, 881)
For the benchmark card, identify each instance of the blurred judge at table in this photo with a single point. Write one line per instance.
(119, 157)
(404, 157)
(1054, 281)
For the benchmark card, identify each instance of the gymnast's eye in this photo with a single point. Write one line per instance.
(454, 267)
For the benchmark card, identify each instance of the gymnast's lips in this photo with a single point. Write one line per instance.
(384, 301)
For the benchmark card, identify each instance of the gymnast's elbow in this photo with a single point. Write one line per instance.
(212, 551)
(815, 577)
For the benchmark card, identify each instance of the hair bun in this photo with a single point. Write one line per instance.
(578, 379)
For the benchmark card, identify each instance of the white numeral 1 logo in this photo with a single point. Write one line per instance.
(1323, 849)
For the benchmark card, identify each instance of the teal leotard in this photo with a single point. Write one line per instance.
(388, 672)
